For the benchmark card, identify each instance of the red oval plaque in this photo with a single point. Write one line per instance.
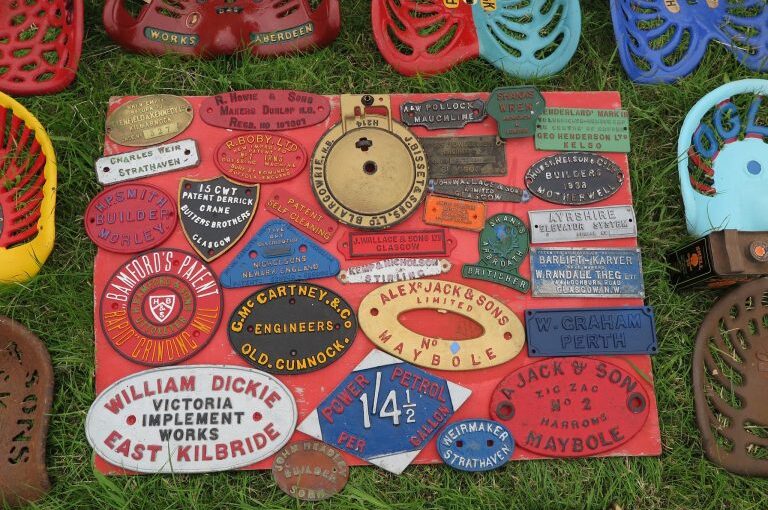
(571, 407)
(161, 307)
(265, 110)
(261, 158)
(130, 218)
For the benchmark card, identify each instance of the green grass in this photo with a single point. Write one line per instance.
(57, 304)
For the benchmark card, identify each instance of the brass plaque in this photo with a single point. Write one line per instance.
(149, 120)
(465, 156)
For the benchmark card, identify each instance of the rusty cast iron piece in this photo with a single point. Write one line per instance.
(26, 396)
(385, 412)
(394, 270)
(260, 158)
(435, 242)
(292, 328)
(191, 419)
(265, 110)
(475, 445)
(478, 190)
(730, 369)
(208, 28)
(130, 218)
(369, 171)
(503, 246)
(149, 120)
(501, 339)
(306, 216)
(215, 213)
(465, 156)
(451, 113)
(576, 178)
(582, 224)
(720, 259)
(310, 470)
(454, 213)
(571, 407)
(160, 307)
(147, 162)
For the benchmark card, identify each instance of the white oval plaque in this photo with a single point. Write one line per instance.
(191, 419)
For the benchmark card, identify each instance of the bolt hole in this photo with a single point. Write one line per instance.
(303, 248)
(131, 420)
(489, 443)
(294, 352)
(374, 311)
(370, 167)
(106, 169)
(257, 416)
(507, 336)
(253, 254)
(459, 443)
(292, 301)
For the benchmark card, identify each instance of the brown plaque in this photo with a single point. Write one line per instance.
(310, 470)
(455, 213)
(730, 376)
(465, 156)
(149, 120)
(26, 394)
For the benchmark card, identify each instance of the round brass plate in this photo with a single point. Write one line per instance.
(149, 120)
(369, 177)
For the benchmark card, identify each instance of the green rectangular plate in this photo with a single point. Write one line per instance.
(580, 129)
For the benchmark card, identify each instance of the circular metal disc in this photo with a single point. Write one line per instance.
(369, 177)
(310, 470)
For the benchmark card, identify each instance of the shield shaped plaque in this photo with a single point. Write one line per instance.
(215, 213)
(162, 306)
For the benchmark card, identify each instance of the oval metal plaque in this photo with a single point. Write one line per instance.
(501, 340)
(129, 218)
(149, 120)
(260, 158)
(161, 307)
(191, 419)
(292, 328)
(574, 179)
(310, 470)
(571, 407)
(265, 110)
(475, 445)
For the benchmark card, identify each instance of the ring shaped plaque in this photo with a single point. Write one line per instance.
(265, 110)
(571, 407)
(575, 178)
(292, 328)
(310, 470)
(359, 155)
(260, 158)
(149, 120)
(129, 218)
(26, 395)
(502, 338)
(730, 368)
(161, 307)
(191, 419)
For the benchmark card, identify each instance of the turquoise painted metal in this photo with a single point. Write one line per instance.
(723, 159)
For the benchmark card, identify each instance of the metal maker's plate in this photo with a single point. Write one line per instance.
(394, 270)
(475, 445)
(130, 218)
(386, 411)
(581, 129)
(501, 339)
(587, 272)
(292, 328)
(215, 213)
(278, 253)
(436, 242)
(576, 178)
(265, 110)
(260, 158)
(304, 215)
(161, 307)
(582, 224)
(590, 331)
(465, 156)
(479, 190)
(310, 470)
(448, 114)
(147, 162)
(191, 419)
(149, 120)
(455, 213)
(571, 407)
(516, 110)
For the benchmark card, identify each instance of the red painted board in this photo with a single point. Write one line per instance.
(310, 389)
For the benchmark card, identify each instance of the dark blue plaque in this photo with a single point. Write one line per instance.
(590, 331)
(587, 272)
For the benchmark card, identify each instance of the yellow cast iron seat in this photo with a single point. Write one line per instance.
(27, 193)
